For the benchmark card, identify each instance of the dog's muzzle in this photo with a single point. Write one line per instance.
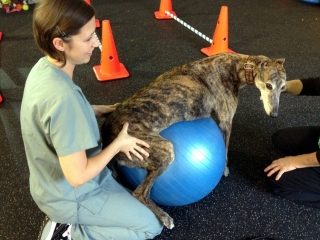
(274, 114)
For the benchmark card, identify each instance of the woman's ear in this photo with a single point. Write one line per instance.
(58, 44)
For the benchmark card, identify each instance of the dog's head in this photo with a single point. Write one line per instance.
(269, 76)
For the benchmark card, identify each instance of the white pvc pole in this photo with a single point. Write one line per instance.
(189, 27)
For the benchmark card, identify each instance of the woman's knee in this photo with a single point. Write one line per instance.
(155, 231)
(296, 140)
(280, 141)
(279, 188)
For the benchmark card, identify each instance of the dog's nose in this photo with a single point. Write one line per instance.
(274, 114)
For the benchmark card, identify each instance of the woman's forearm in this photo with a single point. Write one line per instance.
(78, 169)
(294, 86)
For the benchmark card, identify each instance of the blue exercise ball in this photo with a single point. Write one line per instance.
(200, 158)
(314, 2)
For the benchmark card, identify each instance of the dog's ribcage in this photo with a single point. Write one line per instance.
(184, 93)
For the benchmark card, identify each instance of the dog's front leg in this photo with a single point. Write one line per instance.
(226, 127)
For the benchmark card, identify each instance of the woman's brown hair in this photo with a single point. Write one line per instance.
(59, 18)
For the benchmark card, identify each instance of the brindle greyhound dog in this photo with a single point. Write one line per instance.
(194, 90)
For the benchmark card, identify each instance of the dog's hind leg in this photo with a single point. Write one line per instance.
(142, 193)
(161, 156)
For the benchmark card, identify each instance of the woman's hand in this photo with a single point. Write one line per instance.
(290, 163)
(131, 145)
(104, 110)
(281, 166)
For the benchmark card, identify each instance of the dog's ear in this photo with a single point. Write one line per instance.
(274, 62)
(280, 61)
(261, 63)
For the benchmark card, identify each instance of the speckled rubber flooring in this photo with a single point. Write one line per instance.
(239, 207)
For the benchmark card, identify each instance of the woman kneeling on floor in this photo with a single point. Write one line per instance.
(297, 176)
(69, 180)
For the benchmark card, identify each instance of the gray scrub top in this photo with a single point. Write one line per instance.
(57, 120)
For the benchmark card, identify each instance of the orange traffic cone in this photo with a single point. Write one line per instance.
(165, 5)
(110, 67)
(97, 20)
(220, 37)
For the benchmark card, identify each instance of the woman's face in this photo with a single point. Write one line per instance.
(80, 48)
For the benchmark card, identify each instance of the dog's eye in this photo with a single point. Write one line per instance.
(269, 86)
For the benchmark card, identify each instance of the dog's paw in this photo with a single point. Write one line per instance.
(226, 171)
(168, 222)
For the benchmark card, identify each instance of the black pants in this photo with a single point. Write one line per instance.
(300, 185)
